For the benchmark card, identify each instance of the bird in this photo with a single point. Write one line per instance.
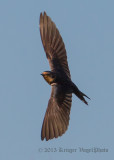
(57, 116)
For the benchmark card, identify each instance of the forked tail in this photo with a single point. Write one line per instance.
(80, 95)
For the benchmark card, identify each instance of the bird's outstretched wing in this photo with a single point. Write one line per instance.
(53, 45)
(56, 118)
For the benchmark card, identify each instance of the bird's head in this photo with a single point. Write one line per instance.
(49, 76)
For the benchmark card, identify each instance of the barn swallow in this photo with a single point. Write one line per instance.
(57, 115)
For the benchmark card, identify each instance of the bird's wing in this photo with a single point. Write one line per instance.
(57, 115)
(53, 45)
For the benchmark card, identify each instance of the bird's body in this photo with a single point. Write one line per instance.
(57, 114)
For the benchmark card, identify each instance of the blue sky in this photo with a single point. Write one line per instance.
(87, 28)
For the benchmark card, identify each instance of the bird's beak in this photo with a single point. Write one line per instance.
(41, 74)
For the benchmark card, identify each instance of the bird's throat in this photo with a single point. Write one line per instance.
(48, 79)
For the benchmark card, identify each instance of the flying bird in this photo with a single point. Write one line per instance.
(57, 115)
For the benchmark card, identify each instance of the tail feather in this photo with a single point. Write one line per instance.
(80, 95)
(85, 95)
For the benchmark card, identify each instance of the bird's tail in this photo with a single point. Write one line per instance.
(80, 95)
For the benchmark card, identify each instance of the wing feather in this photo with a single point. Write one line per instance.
(56, 118)
(53, 45)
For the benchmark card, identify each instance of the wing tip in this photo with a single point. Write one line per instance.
(43, 13)
(58, 131)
